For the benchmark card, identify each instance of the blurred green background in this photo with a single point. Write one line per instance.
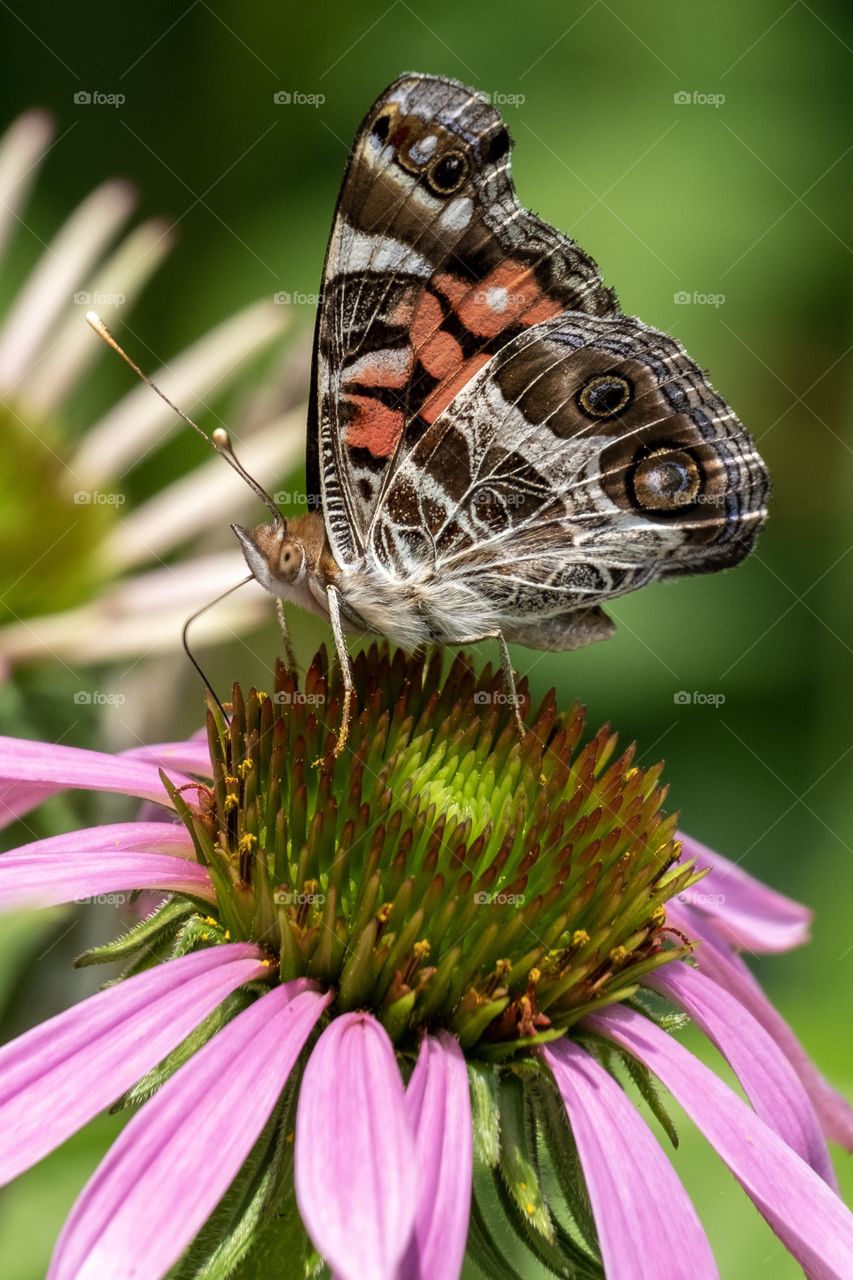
(745, 201)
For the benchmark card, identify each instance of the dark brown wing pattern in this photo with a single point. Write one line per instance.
(589, 457)
(433, 266)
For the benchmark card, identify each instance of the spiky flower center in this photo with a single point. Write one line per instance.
(441, 872)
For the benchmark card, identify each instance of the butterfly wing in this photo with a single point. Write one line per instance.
(590, 456)
(432, 267)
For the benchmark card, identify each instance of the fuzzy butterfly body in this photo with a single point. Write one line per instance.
(493, 447)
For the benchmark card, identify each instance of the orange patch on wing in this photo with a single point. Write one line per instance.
(507, 293)
(544, 309)
(428, 316)
(453, 287)
(374, 426)
(444, 393)
(440, 355)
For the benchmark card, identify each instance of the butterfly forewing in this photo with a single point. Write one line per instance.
(433, 266)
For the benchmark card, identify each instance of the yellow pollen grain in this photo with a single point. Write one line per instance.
(534, 975)
(231, 781)
(580, 938)
(245, 766)
(227, 935)
(247, 842)
(618, 955)
(659, 915)
(210, 920)
(383, 915)
(421, 949)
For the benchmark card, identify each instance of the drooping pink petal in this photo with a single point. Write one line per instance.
(769, 1080)
(51, 768)
(647, 1225)
(744, 911)
(58, 1076)
(805, 1214)
(117, 837)
(716, 958)
(33, 880)
(175, 1160)
(439, 1110)
(356, 1182)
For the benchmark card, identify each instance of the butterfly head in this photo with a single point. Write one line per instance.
(282, 553)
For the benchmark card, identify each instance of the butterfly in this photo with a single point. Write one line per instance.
(493, 449)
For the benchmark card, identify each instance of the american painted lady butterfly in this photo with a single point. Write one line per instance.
(493, 447)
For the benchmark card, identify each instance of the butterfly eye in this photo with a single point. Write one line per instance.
(446, 174)
(605, 395)
(666, 480)
(381, 126)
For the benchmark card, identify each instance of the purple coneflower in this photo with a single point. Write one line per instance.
(383, 1012)
(86, 578)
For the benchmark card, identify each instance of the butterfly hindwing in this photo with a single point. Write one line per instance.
(432, 267)
(590, 456)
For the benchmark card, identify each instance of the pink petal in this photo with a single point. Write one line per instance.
(40, 880)
(802, 1210)
(58, 1076)
(355, 1159)
(718, 961)
(769, 1080)
(52, 767)
(186, 1145)
(744, 911)
(647, 1225)
(439, 1109)
(72, 866)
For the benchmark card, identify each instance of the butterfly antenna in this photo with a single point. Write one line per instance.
(218, 439)
(185, 639)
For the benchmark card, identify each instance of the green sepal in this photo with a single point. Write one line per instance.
(558, 1140)
(483, 1250)
(485, 1113)
(642, 1078)
(164, 920)
(517, 1181)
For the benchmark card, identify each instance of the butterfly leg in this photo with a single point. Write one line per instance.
(287, 644)
(346, 666)
(506, 671)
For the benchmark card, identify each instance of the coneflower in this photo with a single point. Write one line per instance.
(86, 578)
(387, 1007)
